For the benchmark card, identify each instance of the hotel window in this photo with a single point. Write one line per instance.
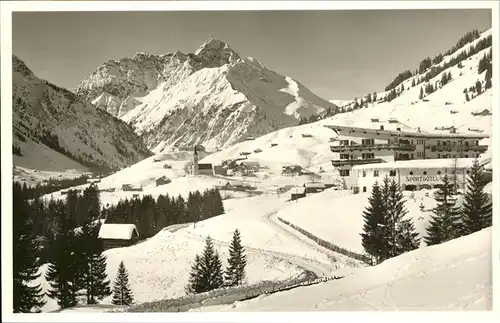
(411, 173)
(375, 173)
(367, 141)
(368, 155)
(439, 172)
(439, 155)
(364, 189)
(392, 172)
(344, 156)
(344, 142)
(344, 172)
(425, 173)
(439, 142)
(364, 173)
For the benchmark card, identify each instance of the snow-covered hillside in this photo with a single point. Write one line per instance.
(55, 130)
(455, 275)
(158, 266)
(213, 97)
(445, 107)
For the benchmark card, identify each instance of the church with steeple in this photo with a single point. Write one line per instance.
(200, 169)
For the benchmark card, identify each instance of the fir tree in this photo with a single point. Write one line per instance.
(477, 206)
(122, 294)
(445, 221)
(372, 237)
(467, 97)
(62, 273)
(194, 284)
(478, 87)
(93, 263)
(26, 261)
(210, 275)
(235, 273)
(402, 236)
(421, 95)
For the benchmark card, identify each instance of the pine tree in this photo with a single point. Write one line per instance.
(467, 96)
(122, 294)
(26, 261)
(210, 274)
(445, 222)
(92, 263)
(374, 97)
(372, 237)
(478, 87)
(62, 273)
(421, 95)
(235, 273)
(402, 236)
(194, 284)
(477, 206)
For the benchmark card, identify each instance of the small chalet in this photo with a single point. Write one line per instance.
(297, 193)
(250, 166)
(258, 150)
(274, 145)
(167, 166)
(115, 235)
(292, 170)
(163, 180)
(274, 190)
(314, 187)
(306, 135)
(131, 188)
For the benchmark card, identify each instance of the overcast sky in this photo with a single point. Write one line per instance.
(336, 54)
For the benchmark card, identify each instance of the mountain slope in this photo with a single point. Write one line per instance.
(55, 129)
(447, 106)
(213, 97)
(455, 275)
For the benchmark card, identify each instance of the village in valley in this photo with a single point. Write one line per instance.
(198, 211)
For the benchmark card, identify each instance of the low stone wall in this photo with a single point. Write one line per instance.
(328, 245)
(227, 295)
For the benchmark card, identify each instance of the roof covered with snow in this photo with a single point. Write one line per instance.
(420, 163)
(298, 190)
(315, 184)
(391, 129)
(117, 231)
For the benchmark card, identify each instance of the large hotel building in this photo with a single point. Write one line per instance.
(391, 146)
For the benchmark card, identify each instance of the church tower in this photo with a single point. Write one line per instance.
(195, 162)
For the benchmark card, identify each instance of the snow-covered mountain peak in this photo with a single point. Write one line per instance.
(213, 97)
(216, 53)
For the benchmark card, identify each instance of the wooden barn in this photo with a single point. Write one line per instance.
(163, 180)
(297, 193)
(115, 235)
(314, 187)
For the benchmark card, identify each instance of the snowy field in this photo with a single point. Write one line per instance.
(456, 275)
(337, 217)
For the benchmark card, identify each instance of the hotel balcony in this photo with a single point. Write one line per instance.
(345, 148)
(462, 148)
(352, 162)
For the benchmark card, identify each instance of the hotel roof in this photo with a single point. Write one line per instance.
(420, 163)
(405, 131)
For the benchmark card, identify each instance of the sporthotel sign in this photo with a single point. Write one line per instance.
(422, 179)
